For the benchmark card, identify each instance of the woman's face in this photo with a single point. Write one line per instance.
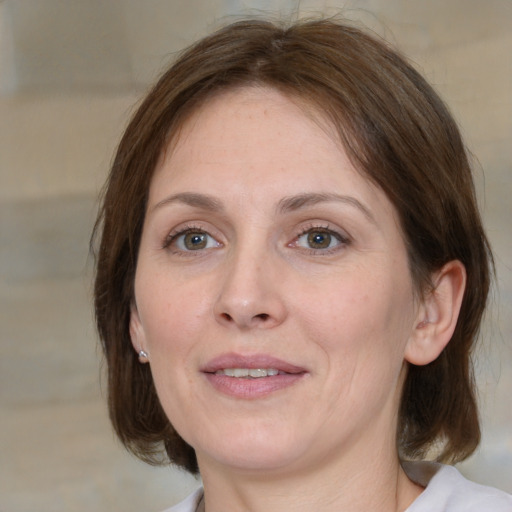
(272, 291)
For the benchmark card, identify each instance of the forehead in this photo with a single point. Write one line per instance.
(254, 140)
(246, 125)
(249, 108)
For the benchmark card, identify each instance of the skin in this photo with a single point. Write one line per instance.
(253, 284)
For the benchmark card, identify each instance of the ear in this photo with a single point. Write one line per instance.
(437, 315)
(137, 334)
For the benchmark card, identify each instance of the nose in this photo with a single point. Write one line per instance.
(251, 295)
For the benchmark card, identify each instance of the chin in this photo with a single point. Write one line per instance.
(247, 450)
(264, 460)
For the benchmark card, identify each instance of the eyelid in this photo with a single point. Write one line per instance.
(182, 230)
(341, 235)
(343, 238)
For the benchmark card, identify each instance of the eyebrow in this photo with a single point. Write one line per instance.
(287, 204)
(202, 201)
(300, 201)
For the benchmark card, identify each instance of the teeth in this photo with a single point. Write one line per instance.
(252, 373)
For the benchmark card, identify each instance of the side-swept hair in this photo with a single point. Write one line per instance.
(398, 134)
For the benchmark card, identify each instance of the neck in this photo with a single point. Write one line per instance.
(355, 486)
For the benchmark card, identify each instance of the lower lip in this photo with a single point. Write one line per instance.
(247, 388)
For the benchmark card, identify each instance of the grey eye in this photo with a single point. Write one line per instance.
(194, 241)
(318, 239)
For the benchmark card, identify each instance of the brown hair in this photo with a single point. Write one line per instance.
(397, 132)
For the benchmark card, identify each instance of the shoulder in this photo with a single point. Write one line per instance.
(189, 504)
(446, 490)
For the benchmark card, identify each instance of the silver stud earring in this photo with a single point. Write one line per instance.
(143, 356)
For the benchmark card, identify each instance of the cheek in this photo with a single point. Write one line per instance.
(171, 311)
(360, 319)
(172, 322)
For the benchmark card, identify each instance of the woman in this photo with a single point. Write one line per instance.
(291, 277)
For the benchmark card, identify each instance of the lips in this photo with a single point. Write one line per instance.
(250, 377)
(254, 362)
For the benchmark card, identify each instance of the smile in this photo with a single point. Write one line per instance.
(250, 377)
(249, 373)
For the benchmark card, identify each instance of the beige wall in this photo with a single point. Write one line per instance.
(70, 73)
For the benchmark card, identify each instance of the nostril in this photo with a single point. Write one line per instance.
(245, 320)
(227, 317)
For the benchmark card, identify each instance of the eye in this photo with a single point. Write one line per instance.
(191, 239)
(319, 239)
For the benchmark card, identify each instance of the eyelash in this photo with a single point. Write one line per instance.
(343, 239)
(172, 237)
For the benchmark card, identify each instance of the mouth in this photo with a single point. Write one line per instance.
(250, 377)
(249, 373)
(250, 366)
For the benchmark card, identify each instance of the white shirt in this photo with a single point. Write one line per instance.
(446, 490)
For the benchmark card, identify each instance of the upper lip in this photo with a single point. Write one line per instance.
(233, 360)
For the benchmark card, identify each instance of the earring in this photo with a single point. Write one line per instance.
(143, 356)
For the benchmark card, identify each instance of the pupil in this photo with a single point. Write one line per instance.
(195, 241)
(319, 240)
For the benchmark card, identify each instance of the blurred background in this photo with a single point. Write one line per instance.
(71, 72)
